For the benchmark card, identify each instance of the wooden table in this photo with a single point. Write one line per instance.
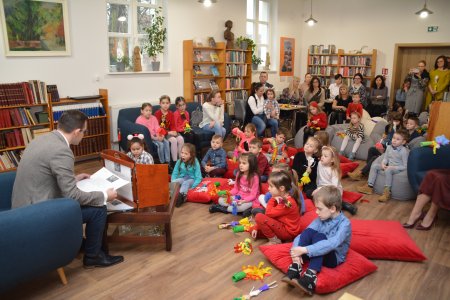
(145, 216)
(293, 109)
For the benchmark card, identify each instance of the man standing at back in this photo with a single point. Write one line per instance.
(46, 171)
(263, 77)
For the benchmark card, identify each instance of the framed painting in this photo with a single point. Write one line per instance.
(287, 55)
(35, 27)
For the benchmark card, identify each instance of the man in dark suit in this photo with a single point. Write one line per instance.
(263, 77)
(46, 171)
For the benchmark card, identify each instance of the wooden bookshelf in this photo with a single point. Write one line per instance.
(323, 65)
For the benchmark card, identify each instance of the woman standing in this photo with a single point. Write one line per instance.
(358, 87)
(418, 78)
(439, 80)
(378, 97)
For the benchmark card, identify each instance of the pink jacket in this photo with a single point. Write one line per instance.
(241, 135)
(151, 124)
(247, 193)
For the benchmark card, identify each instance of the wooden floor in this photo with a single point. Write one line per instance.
(202, 262)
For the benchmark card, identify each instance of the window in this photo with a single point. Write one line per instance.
(127, 20)
(258, 26)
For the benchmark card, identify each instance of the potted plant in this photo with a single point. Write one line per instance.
(256, 61)
(245, 43)
(123, 63)
(156, 36)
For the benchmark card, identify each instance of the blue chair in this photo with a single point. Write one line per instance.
(126, 122)
(38, 238)
(422, 159)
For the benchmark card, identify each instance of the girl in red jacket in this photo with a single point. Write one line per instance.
(281, 220)
(317, 121)
(181, 120)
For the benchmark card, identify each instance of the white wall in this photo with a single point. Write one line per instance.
(348, 24)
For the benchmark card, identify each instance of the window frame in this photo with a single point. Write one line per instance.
(133, 35)
(256, 22)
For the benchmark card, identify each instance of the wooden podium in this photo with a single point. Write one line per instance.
(149, 192)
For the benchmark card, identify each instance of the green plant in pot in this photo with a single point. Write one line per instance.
(245, 43)
(156, 36)
(256, 61)
(123, 63)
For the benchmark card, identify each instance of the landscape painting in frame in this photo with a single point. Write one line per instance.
(35, 27)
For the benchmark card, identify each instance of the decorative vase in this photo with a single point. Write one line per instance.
(155, 65)
(255, 67)
(244, 45)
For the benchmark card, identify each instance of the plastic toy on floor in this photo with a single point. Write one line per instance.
(244, 224)
(255, 293)
(244, 247)
(252, 272)
(439, 141)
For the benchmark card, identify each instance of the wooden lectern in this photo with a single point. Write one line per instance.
(149, 193)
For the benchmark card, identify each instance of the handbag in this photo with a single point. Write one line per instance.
(196, 117)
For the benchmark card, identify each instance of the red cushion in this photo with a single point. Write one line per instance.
(344, 160)
(264, 188)
(206, 192)
(379, 239)
(351, 197)
(231, 166)
(329, 280)
(348, 167)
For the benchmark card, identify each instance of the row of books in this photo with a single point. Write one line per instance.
(236, 70)
(235, 83)
(205, 84)
(205, 70)
(355, 60)
(321, 60)
(13, 138)
(212, 56)
(320, 49)
(17, 117)
(350, 71)
(322, 70)
(97, 126)
(90, 146)
(91, 109)
(23, 93)
(200, 98)
(10, 159)
(235, 57)
(231, 95)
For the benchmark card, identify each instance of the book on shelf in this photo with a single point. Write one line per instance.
(52, 89)
(198, 56)
(197, 85)
(198, 70)
(39, 131)
(214, 71)
(214, 56)
(90, 109)
(212, 42)
(213, 84)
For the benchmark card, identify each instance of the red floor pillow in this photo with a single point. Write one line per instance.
(329, 280)
(231, 166)
(206, 191)
(380, 239)
(344, 160)
(351, 197)
(348, 167)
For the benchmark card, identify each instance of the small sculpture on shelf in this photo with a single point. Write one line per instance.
(228, 35)
(137, 66)
(267, 66)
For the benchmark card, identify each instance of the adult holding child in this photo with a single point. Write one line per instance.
(213, 114)
(46, 171)
(439, 81)
(378, 97)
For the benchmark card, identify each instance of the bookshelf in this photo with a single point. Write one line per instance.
(325, 63)
(97, 137)
(24, 111)
(233, 76)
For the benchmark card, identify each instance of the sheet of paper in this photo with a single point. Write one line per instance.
(101, 180)
(117, 205)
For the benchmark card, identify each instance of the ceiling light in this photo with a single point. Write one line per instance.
(424, 12)
(207, 3)
(311, 21)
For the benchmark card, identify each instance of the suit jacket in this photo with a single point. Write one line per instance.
(46, 171)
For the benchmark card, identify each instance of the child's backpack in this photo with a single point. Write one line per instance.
(196, 117)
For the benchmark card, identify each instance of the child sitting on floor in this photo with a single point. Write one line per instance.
(305, 165)
(136, 146)
(281, 220)
(214, 164)
(324, 243)
(278, 148)
(187, 172)
(247, 187)
(355, 131)
(244, 139)
(263, 163)
(395, 160)
(329, 173)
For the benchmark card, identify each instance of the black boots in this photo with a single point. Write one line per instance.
(349, 207)
(217, 208)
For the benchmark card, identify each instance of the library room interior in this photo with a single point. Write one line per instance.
(224, 149)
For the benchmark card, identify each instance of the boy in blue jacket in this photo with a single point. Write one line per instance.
(214, 164)
(324, 243)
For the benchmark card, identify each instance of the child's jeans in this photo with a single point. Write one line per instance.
(186, 183)
(240, 208)
(389, 173)
(163, 150)
(309, 237)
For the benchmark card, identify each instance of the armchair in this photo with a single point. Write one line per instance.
(36, 239)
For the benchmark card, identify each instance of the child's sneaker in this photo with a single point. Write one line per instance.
(365, 189)
(351, 156)
(292, 273)
(307, 283)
